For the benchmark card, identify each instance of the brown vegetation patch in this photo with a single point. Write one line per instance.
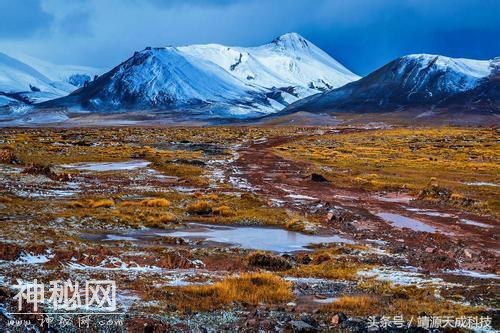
(252, 288)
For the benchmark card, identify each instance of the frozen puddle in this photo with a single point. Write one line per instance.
(400, 221)
(256, 238)
(108, 166)
(429, 212)
(472, 274)
(120, 238)
(474, 223)
(326, 300)
(301, 197)
(402, 278)
(394, 197)
(482, 184)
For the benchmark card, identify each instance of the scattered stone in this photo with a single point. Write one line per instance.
(339, 214)
(46, 170)
(300, 326)
(9, 251)
(269, 261)
(316, 177)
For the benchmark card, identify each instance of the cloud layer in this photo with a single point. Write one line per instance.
(362, 34)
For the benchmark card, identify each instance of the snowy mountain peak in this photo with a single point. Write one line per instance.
(291, 41)
(445, 73)
(416, 80)
(222, 80)
(471, 67)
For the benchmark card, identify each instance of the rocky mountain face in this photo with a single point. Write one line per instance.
(222, 81)
(414, 81)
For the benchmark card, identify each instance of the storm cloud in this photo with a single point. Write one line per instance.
(362, 34)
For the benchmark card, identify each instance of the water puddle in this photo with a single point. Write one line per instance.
(400, 221)
(255, 238)
(108, 166)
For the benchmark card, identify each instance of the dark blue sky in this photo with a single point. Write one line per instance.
(362, 34)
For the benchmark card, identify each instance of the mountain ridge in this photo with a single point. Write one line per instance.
(226, 81)
(417, 80)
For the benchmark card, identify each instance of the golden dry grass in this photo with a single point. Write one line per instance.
(91, 203)
(377, 305)
(200, 207)
(384, 298)
(407, 159)
(329, 269)
(223, 211)
(251, 288)
(155, 202)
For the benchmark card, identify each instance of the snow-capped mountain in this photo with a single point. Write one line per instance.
(74, 75)
(224, 81)
(27, 80)
(418, 80)
(288, 61)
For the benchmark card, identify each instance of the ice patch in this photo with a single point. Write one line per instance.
(326, 300)
(403, 278)
(32, 259)
(429, 212)
(482, 184)
(301, 197)
(473, 274)
(477, 224)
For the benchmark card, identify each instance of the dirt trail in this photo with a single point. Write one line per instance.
(453, 245)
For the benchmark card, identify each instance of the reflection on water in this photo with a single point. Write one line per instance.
(401, 221)
(257, 238)
(108, 166)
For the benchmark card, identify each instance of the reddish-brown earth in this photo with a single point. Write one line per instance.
(353, 213)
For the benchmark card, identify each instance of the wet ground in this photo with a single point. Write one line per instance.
(389, 237)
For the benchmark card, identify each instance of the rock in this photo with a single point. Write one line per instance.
(269, 261)
(316, 177)
(46, 170)
(306, 260)
(468, 253)
(335, 321)
(339, 214)
(338, 319)
(301, 326)
(429, 250)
